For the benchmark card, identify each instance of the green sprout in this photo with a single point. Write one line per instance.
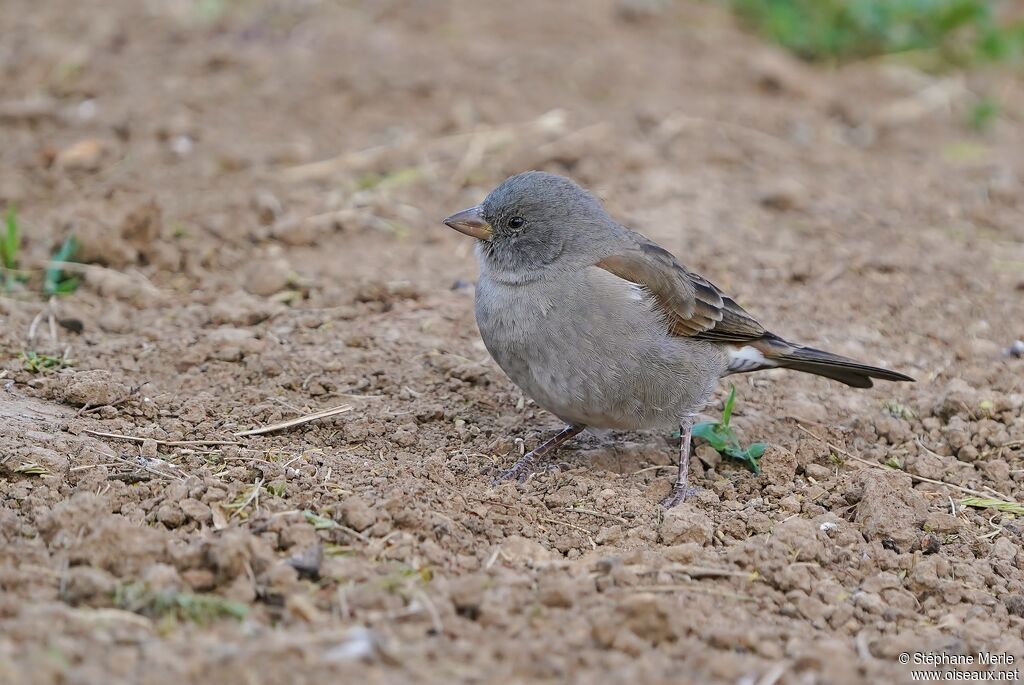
(898, 411)
(34, 362)
(997, 504)
(54, 281)
(720, 435)
(275, 489)
(983, 114)
(936, 33)
(32, 469)
(319, 522)
(9, 246)
(201, 609)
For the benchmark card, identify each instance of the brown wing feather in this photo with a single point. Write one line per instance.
(693, 306)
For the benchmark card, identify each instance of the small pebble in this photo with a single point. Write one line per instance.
(930, 543)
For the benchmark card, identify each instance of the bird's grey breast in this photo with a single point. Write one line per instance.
(587, 346)
(514, 321)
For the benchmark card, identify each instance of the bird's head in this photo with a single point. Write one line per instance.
(533, 219)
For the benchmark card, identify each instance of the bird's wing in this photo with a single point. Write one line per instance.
(693, 306)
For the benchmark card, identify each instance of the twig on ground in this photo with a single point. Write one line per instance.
(324, 523)
(298, 421)
(493, 558)
(435, 616)
(141, 465)
(711, 572)
(773, 674)
(991, 534)
(53, 319)
(694, 588)
(239, 505)
(169, 443)
(132, 392)
(46, 311)
(932, 452)
(574, 527)
(655, 468)
(32, 327)
(875, 464)
(599, 514)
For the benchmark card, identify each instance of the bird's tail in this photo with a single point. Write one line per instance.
(771, 351)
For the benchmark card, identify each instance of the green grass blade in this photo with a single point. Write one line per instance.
(724, 440)
(12, 240)
(54, 282)
(997, 504)
(727, 409)
(953, 32)
(319, 522)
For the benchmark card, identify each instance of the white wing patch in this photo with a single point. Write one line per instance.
(610, 283)
(747, 358)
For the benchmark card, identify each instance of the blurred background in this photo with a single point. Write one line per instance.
(292, 149)
(224, 213)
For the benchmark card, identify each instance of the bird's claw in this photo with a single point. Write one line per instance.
(518, 475)
(518, 472)
(678, 495)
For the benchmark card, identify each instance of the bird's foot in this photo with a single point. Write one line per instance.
(678, 495)
(519, 471)
(522, 468)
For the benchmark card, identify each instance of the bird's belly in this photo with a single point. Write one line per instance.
(591, 365)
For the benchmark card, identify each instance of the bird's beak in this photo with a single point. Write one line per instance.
(471, 222)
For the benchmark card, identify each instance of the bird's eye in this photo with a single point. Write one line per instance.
(516, 222)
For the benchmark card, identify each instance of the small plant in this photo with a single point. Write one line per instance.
(898, 411)
(34, 362)
(947, 32)
(33, 469)
(396, 179)
(54, 280)
(9, 247)
(201, 609)
(983, 114)
(997, 504)
(319, 522)
(721, 436)
(401, 576)
(333, 550)
(251, 496)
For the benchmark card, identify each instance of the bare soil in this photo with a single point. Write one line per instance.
(257, 187)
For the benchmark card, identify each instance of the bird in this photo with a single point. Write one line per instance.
(606, 329)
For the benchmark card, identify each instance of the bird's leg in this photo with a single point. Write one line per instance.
(522, 468)
(681, 489)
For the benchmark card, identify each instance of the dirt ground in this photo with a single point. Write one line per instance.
(257, 188)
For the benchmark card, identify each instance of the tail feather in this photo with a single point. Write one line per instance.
(781, 354)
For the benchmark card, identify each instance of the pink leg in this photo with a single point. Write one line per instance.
(681, 489)
(522, 468)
